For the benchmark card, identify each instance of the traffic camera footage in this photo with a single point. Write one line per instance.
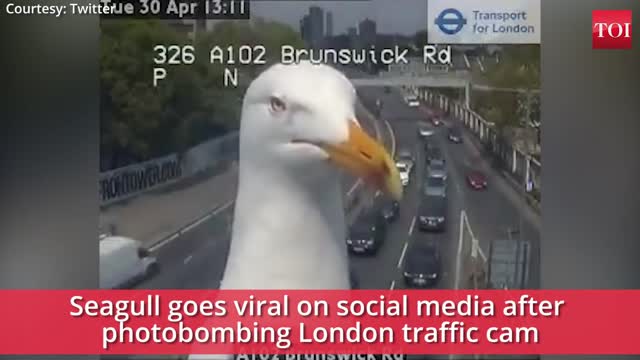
(187, 176)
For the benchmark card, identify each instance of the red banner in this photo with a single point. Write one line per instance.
(319, 322)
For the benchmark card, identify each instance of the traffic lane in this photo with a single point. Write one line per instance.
(196, 260)
(380, 270)
(495, 210)
(448, 240)
(403, 120)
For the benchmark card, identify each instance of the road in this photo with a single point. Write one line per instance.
(197, 259)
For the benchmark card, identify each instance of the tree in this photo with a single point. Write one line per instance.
(519, 68)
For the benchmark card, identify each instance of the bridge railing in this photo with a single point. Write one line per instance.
(521, 167)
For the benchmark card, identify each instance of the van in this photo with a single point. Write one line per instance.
(124, 262)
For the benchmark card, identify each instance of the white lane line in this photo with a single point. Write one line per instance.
(459, 253)
(393, 137)
(164, 242)
(187, 259)
(393, 285)
(404, 251)
(474, 240)
(413, 224)
(198, 222)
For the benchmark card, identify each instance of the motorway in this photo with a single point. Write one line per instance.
(197, 259)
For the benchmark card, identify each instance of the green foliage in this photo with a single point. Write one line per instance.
(519, 68)
(140, 121)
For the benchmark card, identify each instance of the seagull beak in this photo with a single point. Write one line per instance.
(364, 157)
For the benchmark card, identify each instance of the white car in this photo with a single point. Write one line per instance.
(124, 262)
(404, 170)
(412, 101)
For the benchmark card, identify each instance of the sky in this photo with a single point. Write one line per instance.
(391, 16)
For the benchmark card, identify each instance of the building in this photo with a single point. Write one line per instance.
(368, 32)
(305, 29)
(316, 19)
(329, 32)
(352, 33)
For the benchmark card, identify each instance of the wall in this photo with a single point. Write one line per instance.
(126, 182)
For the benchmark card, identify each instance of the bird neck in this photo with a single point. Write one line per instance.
(288, 231)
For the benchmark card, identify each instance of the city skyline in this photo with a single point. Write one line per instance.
(388, 16)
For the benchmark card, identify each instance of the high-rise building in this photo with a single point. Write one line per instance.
(305, 29)
(352, 33)
(329, 24)
(368, 32)
(316, 16)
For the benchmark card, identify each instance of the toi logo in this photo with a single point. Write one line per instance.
(611, 29)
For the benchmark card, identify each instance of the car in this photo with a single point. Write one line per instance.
(422, 267)
(477, 180)
(435, 186)
(124, 262)
(389, 207)
(425, 130)
(412, 101)
(404, 171)
(454, 135)
(436, 121)
(353, 279)
(367, 234)
(405, 155)
(432, 213)
(437, 168)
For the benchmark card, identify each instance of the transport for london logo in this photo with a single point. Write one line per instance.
(450, 21)
(611, 29)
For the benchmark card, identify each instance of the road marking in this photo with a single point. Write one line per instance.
(404, 251)
(393, 285)
(456, 285)
(393, 137)
(413, 223)
(164, 242)
(187, 259)
(191, 226)
(196, 224)
(473, 237)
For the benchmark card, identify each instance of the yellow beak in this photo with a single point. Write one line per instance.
(366, 158)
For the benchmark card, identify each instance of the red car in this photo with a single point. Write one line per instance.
(477, 180)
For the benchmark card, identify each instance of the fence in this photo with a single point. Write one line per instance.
(523, 168)
(127, 182)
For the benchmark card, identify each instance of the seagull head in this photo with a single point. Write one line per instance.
(302, 117)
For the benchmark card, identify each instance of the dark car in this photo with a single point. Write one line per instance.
(477, 180)
(388, 207)
(455, 135)
(353, 279)
(432, 213)
(367, 234)
(422, 267)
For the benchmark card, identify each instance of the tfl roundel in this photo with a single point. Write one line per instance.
(450, 21)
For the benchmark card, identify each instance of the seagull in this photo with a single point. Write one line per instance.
(298, 132)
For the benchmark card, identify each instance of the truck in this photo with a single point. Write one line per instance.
(508, 264)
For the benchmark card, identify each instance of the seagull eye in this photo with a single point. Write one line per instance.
(277, 105)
